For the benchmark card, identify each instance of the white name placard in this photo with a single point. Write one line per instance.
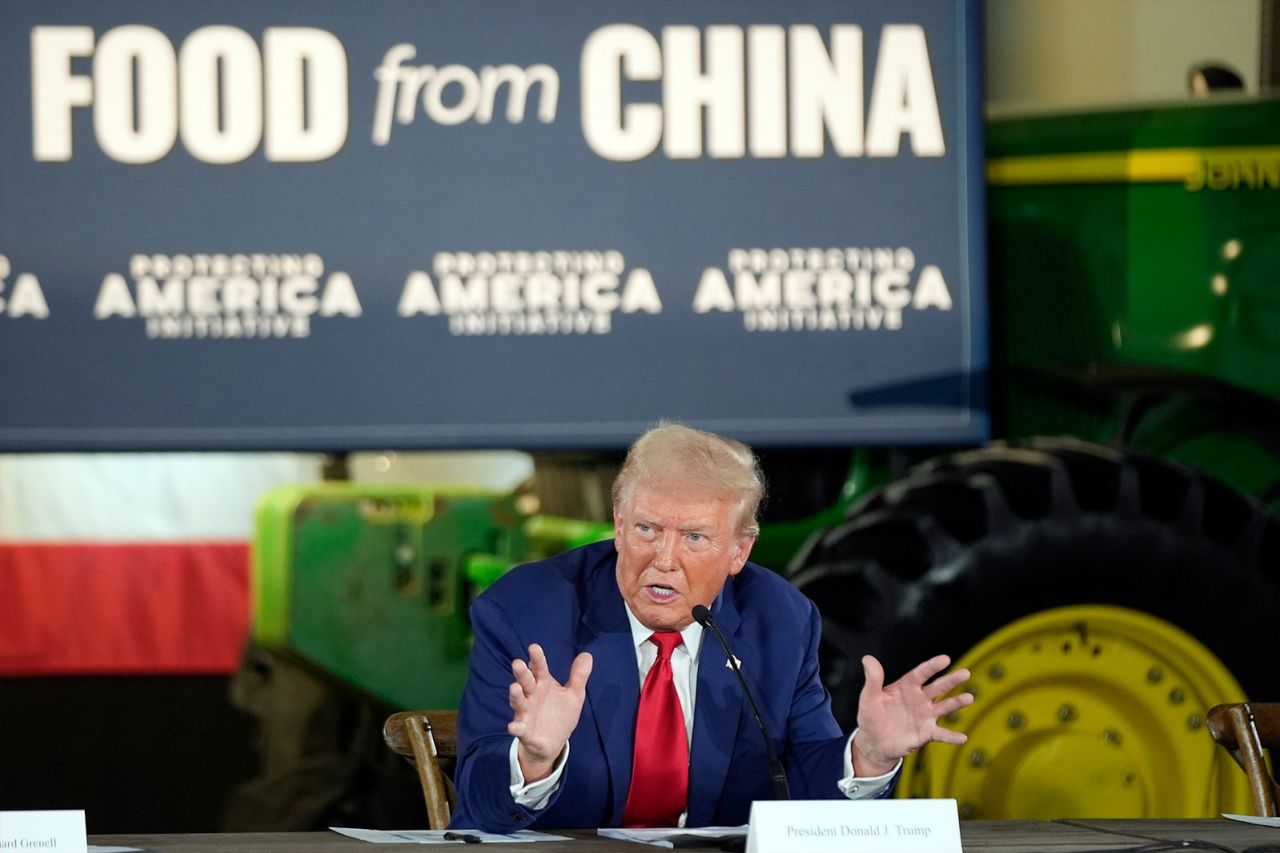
(43, 832)
(866, 826)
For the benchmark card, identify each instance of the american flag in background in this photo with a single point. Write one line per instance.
(130, 563)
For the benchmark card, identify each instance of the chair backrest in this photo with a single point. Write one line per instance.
(424, 737)
(1245, 729)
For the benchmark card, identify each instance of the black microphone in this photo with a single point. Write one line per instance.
(776, 774)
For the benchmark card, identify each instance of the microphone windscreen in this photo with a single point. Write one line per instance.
(701, 614)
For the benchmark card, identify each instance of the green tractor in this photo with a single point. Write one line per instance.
(1109, 584)
(1108, 570)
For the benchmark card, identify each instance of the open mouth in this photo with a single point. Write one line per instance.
(661, 593)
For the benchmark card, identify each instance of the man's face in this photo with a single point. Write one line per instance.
(675, 552)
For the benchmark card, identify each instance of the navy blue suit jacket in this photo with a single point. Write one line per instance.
(570, 604)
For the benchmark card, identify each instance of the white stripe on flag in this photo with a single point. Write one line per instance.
(131, 497)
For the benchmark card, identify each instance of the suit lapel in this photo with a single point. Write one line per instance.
(716, 712)
(613, 691)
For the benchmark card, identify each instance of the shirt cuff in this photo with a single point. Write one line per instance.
(861, 787)
(534, 796)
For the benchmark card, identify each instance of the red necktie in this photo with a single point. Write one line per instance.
(660, 773)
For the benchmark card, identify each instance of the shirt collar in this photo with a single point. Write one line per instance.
(692, 635)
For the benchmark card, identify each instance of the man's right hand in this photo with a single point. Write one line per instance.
(546, 711)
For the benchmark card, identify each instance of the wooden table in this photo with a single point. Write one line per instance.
(1229, 833)
(1001, 836)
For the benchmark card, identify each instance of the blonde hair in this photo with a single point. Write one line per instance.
(672, 455)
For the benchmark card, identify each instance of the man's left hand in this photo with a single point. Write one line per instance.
(895, 721)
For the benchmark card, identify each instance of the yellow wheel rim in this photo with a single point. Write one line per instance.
(1086, 711)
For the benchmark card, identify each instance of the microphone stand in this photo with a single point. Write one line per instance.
(777, 775)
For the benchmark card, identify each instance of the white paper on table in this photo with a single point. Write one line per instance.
(436, 836)
(1248, 818)
(663, 837)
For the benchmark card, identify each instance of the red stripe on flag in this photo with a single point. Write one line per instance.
(131, 608)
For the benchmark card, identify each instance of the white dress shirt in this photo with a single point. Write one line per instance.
(684, 671)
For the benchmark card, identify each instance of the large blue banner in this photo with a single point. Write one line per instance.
(450, 223)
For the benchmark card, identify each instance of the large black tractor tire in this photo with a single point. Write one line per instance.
(968, 543)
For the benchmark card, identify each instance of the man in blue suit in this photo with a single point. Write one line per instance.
(552, 741)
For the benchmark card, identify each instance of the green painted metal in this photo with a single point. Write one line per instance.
(780, 541)
(552, 534)
(1136, 251)
(1143, 272)
(370, 584)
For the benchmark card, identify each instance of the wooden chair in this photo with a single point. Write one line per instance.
(1245, 729)
(424, 737)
